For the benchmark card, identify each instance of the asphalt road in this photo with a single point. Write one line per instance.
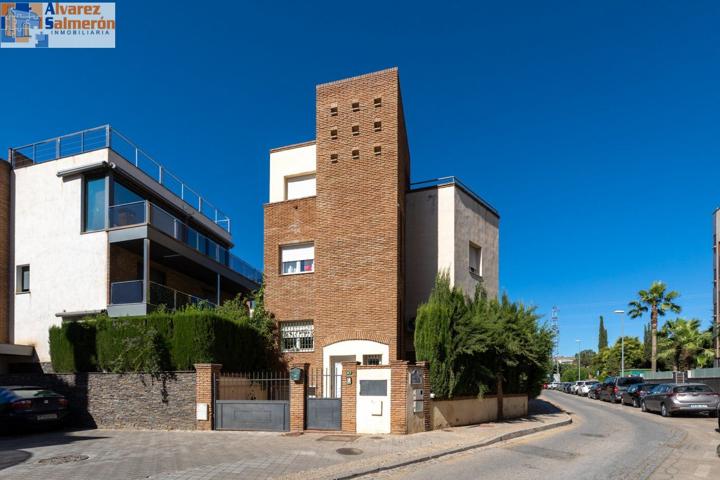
(605, 442)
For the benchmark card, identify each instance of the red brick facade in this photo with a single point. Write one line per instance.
(356, 221)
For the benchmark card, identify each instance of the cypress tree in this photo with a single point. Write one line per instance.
(602, 335)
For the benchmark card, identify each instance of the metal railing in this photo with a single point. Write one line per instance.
(253, 386)
(131, 291)
(435, 182)
(144, 211)
(107, 137)
(175, 299)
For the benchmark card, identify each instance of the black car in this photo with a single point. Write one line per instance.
(635, 393)
(613, 387)
(594, 391)
(31, 406)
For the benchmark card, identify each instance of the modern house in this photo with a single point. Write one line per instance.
(93, 224)
(351, 246)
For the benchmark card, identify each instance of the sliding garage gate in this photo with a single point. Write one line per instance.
(252, 401)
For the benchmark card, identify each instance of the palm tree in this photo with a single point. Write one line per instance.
(658, 302)
(684, 345)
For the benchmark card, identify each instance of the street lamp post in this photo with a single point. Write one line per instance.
(622, 341)
(578, 342)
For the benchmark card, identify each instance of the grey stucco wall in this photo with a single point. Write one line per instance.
(126, 401)
(475, 223)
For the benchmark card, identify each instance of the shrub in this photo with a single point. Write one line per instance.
(477, 345)
(72, 347)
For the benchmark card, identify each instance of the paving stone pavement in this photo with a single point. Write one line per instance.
(116, 455)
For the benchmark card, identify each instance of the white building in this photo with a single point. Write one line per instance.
(96, 225)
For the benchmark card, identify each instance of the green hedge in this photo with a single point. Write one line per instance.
(72, 347)
(160, 342)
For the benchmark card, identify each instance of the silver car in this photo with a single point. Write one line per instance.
(670, 398)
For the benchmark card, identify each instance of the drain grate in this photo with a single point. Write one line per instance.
(349, 451)
(593, 435)
(338, 438)
(62, 459)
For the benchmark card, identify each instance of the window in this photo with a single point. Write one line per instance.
(377, 149)
(475, 259)
(23, 279)
(298, 258)
(377, 126)
(333, 158)
(299, 187)
(333, 110)
(94, 204)
(374, 359)
(355, 129)
(297, 336)
(377, 102)
(356, 154)
(333, 134)
(356, 106)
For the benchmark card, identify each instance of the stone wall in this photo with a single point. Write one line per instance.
(125, 401)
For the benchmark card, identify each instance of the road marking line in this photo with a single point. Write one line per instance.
(702, 471)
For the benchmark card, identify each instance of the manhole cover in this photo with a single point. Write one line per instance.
(63, 459)
(349, 451)
(338, 438)
(593, 435)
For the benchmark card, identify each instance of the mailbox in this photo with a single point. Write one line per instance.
(296, 374)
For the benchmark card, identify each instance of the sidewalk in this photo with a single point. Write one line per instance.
(122, 455)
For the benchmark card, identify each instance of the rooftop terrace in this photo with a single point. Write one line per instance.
(107, 137)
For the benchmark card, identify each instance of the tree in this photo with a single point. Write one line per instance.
(435, 325)
(480, 344)
(658, 302)
(586, 358)
(609, 360)
(684, 346)
(647, 344)
(602, 335)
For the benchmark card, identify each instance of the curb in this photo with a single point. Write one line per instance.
(452, 451)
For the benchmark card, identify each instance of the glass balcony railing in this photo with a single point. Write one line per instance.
(122, 293)
(107, 137)
(136, 213)
(126, 292)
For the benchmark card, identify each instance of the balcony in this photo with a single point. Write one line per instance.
(107, 137)
(145, 212)
(131, 292)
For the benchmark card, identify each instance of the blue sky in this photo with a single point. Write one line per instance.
(591, 126)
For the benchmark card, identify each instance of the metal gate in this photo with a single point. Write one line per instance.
(324, 401)
(252, 401)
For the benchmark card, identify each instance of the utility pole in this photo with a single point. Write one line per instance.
(556, 333)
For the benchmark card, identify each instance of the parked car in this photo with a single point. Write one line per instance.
(584, 389)
(635, 393)
(574, 386)
(566, 387)
(594, 391)
(671, 398)
(613, 387)
(31, 406)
